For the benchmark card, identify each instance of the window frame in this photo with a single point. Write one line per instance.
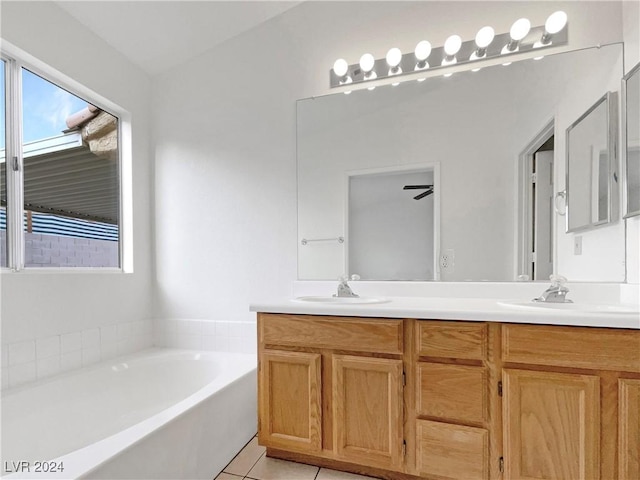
(15, 60)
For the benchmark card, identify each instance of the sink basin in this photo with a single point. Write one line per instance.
(573, 307)
(342, 300)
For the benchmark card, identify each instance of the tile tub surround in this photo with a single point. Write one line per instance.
(251, 463)
(210, 335)
(31, 360)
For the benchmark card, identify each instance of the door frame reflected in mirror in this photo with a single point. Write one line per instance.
(434, 169)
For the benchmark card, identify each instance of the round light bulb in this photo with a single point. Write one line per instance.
(484, 37)
(341, 67)
(520, 29)
(367, 62)
(423, 50)
(394, 57)
(555, 22)
(452, 45)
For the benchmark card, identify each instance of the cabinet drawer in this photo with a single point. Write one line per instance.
(452, 451)
(452, 340)
(335, 333)
(453, 392)
(596, 348)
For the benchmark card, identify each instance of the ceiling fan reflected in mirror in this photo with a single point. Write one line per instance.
(428, 190)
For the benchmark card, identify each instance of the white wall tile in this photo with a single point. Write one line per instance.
(109, 351)
(70, 360)
(47, 367)
(48, 347)
(108, 334)
(124, 331)
(209, 342)
(235, 329)
(71, 342)
(22, 352)
(22, 373)
(91, 338)
(90, 356)
(189, 327)
(236, 344)
(208, 327)
(4, 355)
(222, 344)
(222, 328)
(4, 373)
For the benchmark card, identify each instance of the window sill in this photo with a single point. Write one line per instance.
(64, 271)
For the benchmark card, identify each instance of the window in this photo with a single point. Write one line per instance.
(60, 183)
(3, 175)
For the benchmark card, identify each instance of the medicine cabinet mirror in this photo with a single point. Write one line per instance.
(591, 166)
(631, 136)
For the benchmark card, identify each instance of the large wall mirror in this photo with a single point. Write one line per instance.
(474, 126)
(631, 144)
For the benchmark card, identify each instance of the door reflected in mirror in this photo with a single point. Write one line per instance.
(392, 228)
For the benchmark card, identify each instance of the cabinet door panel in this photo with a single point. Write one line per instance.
(551, 425)
(629, 429)
(367, 410)
(290, 400)
(452, 451)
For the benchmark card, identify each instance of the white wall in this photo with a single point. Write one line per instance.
(84, 316)
(225, 136)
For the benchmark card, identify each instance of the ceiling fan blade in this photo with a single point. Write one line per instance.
(424, 194)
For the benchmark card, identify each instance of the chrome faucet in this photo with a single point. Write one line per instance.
(344, 290)
(556, 293)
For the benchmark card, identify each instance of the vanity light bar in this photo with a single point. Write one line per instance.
(521, 39)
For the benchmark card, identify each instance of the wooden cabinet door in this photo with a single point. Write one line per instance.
(367, 410)
(629, 429)
(289, 392)
(551, 425)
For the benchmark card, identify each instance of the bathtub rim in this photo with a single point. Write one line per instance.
(82, 461)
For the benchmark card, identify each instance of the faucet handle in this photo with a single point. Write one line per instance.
(557, 280)
(355, 277)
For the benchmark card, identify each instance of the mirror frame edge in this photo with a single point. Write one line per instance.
(611, 100)
(625, 146)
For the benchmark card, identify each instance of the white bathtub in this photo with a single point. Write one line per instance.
(173, 414)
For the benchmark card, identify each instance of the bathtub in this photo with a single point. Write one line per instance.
(155, 414)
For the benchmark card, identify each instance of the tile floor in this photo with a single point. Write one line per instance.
(251, 463)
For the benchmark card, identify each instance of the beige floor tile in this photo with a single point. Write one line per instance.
(246, 459)
(328, 474)
(274, 469)
(228, 476)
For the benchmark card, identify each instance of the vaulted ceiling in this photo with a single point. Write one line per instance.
(159, 35)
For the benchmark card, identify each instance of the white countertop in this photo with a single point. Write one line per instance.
(472, 309)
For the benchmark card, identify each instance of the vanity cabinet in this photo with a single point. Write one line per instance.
(332, 387)
(570, 405)
(453, 414)
(450, 400)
